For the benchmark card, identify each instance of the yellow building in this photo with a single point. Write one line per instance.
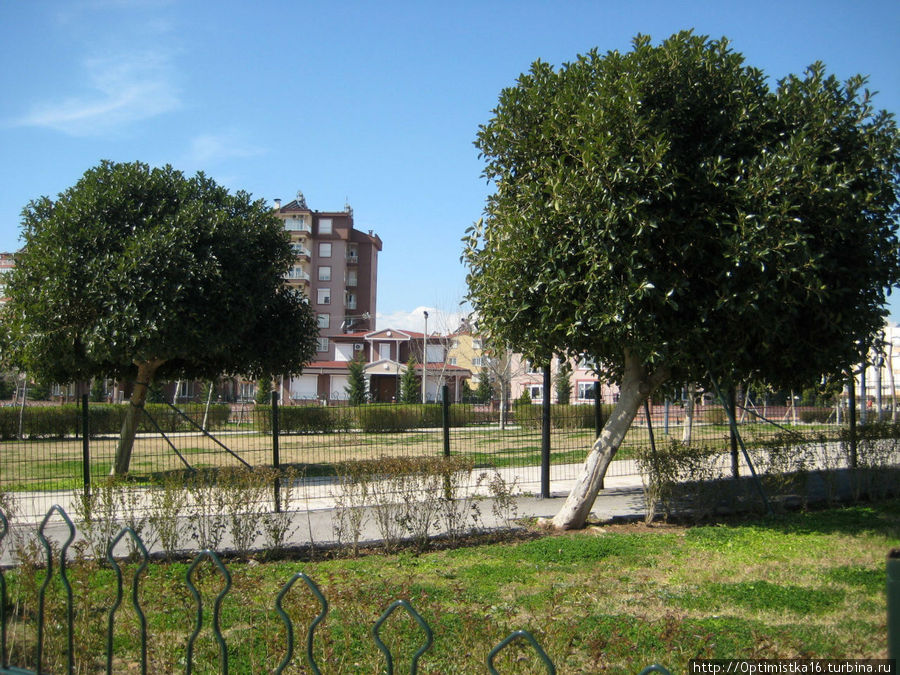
(465, 351)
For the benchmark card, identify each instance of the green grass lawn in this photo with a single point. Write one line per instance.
(608, 599)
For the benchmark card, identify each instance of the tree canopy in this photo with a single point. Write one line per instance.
(668, 213)
(141, 273)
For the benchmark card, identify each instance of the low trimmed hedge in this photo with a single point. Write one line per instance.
(303, 419)
(368, 418)
(104, 419)
(562, 416)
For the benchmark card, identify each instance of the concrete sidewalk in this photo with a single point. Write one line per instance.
(314, 522)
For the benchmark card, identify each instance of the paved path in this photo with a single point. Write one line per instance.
(315, 509)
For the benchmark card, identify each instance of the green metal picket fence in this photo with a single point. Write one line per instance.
(42, 616)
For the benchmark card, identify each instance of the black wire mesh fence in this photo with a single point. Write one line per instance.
(44, 448)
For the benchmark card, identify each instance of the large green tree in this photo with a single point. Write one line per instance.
(680, 217)
(142, 273)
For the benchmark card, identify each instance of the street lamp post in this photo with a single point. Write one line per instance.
(424, 356)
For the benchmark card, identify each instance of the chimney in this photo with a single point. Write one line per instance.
(278, 204)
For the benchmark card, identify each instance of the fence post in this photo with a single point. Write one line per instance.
(598, 417)
(85, 446)
(893, 603)
(545, 435)
(732, 433)
(445, 417)
(666, 417)
(276, 459)
(852, 403)
(445, 422)
(864, 394)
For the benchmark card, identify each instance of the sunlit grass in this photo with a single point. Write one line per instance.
(609, 599)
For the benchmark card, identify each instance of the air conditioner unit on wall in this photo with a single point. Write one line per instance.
(358, 347)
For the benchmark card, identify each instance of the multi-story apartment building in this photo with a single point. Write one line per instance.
(335, 265)
(466, 351)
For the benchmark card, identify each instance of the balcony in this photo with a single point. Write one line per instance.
(296, 277)
(301, 251)
(353, 259)
(298, 225)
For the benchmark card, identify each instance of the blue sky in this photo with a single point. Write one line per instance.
(375, 103)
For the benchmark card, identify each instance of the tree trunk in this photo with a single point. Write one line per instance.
(146, 371)
(636, 386)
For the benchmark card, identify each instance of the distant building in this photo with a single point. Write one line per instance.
(386, 354)
(514, 374)
(7, 262)
(526, 376)
(335, 265)
(465, 349)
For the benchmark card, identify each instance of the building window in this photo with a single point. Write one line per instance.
(322, 344)
(531, 368)
(452, 360)
(323, 296)
(476, 343)
(536, 391)
(323, 320)
(325, 273)
(351, 301)
(585, 391)
(478, 362)
(325, 226)
(353, 254)
(351, 277)
(325, 249)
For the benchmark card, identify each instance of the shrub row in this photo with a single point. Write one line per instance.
(104, 419)
(371, 418)
(562, 416)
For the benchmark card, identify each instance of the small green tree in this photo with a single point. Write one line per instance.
(562, 383)
(410, 387)
(485, 391)
(356, 382)
(264, 390)
(38, 390)
(525, 398)
(98, 390)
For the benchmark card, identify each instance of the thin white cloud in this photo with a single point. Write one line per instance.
(122, 90)
(208, 149)
(438, 321)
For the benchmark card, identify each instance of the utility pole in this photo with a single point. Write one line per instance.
(424, 357)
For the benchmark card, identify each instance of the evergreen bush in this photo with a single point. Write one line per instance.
(569, 416)
(104, 419)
